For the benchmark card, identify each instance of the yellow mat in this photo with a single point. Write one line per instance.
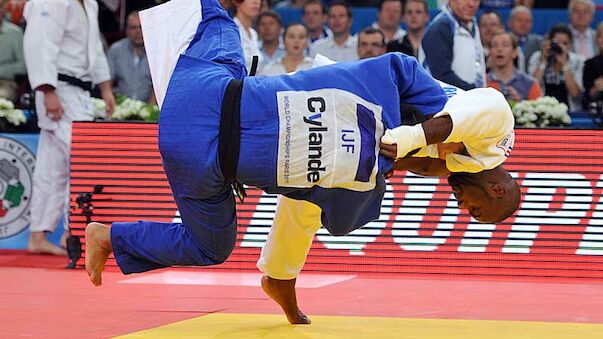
(220, 325)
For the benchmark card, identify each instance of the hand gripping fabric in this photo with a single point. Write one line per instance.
(406, 138)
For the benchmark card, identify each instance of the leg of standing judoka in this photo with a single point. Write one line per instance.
(285, 251)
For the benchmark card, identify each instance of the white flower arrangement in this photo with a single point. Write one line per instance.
(127, 109)
(542, 112)
(14, 116)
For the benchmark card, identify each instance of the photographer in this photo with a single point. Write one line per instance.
(593, 76)
(558, 69)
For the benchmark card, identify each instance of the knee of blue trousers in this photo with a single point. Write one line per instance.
(223, 242)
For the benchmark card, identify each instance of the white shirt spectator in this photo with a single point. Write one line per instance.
(400, 33)
(277, 67)
(249, 43)
(327, 47)
(584, 44)
(268, 59)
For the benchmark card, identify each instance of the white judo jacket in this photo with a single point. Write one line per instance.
(62, 36)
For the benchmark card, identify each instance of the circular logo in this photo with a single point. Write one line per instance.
(16, 169)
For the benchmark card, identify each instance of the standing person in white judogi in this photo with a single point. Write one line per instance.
(64, 58)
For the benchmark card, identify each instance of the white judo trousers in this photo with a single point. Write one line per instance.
(62, 36)
(50, 196)
(290, 238)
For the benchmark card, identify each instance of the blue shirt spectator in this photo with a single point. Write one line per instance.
(452, 49)
(129, 65)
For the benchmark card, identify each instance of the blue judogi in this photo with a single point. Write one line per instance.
(313, 135)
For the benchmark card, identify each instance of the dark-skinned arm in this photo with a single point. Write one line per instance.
(427, 167)
(436, 131)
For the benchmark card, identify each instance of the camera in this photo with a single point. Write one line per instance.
(556, 48)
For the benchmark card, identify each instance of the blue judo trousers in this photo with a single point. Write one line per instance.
(313, 135)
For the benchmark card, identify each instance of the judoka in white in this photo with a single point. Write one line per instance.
(480, 141)
(62, 37)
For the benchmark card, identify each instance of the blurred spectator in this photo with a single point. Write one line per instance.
(389, 18)
(581, 13)
(269, 26)
(14, 8)
(489, 23)
(558, 69)
(505, 77)
(497, 4)
(526, 3)
(129, 65)
(246, 11)
(371, 43)
(442, 4)
(593, 73)
(341, 46)
(265, 6)
(416, 17)
(520, 24)
(64, 57)
(290, 4)
(314, 16)
(296, 41)
(11, 56)
(452, 49)
(363, 3)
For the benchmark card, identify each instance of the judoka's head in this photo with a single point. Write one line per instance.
(490, 196)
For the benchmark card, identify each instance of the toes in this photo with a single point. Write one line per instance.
(96, 279)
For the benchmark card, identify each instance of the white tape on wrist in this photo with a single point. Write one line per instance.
(406, 138)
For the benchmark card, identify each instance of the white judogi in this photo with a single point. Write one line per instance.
(480, 120)
(62, 36)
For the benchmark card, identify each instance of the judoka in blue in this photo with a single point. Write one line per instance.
(313, 135)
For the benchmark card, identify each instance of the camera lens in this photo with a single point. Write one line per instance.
(556, 48)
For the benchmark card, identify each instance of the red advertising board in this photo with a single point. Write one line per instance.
(556, 235)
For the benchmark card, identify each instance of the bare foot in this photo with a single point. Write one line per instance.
(98, 248)
(283, 292)
(39, 244)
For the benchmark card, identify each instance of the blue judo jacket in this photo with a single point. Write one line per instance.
(313, 135)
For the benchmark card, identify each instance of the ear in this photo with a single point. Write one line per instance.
(497, 190)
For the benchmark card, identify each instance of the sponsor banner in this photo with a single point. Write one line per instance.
(321, 146)
(557, 233)
(17, 162)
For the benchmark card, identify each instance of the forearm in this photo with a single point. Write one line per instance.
(429, 167)
(437, 129)
(570, 83)
(539, 72)
(105, 87)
